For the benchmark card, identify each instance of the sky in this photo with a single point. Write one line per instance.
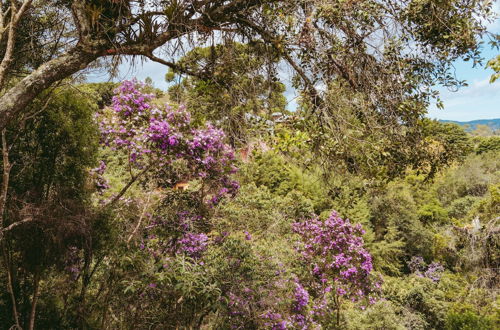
(479, 100)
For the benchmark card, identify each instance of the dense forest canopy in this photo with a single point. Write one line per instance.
(210, 205)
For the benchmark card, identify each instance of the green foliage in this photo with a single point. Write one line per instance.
(381, 315)
(428, 302)
(101, 92)
(237, 87)
(460, 207)
(51, 151)
(432, 212)
(388, 252)
(258, 211)
(464, 317)
(471, 178)
(397, 208)
(445, 144)
(489, 208)
(282, 177)
(487, 144)
(427, 17)
(56, 147)
(494, 64)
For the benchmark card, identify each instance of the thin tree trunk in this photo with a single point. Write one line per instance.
(338, 311)
(146, 205)
(5, 179)
(36, 289)
(10, 286)
(122, 192)
(86, 275)
(16, 16)
(82, 307)
(3, 201)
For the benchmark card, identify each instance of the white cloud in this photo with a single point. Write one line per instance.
(480, 100)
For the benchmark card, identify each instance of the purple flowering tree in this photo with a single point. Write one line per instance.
(160, 142)
(340, 266)
(163, 147)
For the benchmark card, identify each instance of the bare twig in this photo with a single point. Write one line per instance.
(146, 205)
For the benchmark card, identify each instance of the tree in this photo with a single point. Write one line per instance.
(241, 89)
(392, 52)
(487, 144)
(445, 144)
(45, 209)
(341, 267)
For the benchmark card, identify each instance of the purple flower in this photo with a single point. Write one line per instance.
(434, 271)
(100, 181)
(193, 244)
(301, 297)
(418, 266)
(148, 134)
(335, 248)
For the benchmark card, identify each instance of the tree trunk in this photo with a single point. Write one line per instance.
(18, 97)
(5, 179)
(36, 289)
(3, 201)
(10, 286)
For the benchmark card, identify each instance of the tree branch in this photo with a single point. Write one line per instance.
(5, 177)
(127, 186)
(11, 39)
(14, 225)
(140, 220)
(18, 97)
(177, 67)
(316, 99)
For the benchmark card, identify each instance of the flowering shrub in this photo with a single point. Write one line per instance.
(193, 244)
(301, 297)
(162, 146)
(176, 234)
(433, 271)
(416, 264)
(162, 140)
(340, 267)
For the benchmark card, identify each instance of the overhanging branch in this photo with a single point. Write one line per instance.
(316, 99)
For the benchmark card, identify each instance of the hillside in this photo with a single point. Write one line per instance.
(494, 124)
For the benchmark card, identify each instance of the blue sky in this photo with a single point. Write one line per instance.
(480, 100)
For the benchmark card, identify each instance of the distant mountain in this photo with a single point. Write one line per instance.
(494, 124)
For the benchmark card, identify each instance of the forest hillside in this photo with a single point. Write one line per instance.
(208, 204)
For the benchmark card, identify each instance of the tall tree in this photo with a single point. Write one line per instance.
(392, 51)
(237, 86)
